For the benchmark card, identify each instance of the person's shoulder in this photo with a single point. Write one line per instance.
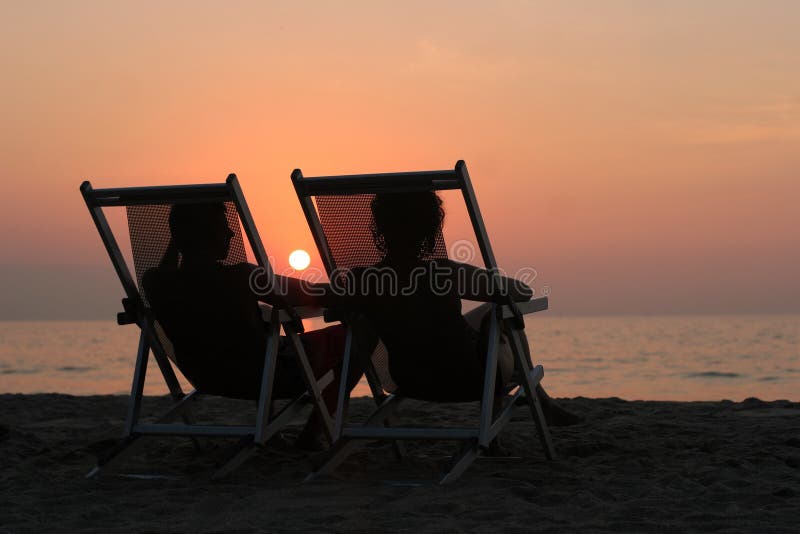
(236, 271)
(238, 275)
(446, 266)
(450, 262)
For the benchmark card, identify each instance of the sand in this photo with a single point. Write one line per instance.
(631, 467)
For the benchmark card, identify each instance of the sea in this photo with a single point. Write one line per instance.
(676, 358)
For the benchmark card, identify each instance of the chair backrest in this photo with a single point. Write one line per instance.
(339, 212)
(337, 209)
(148, 210)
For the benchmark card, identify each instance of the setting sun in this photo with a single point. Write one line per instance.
(299, 259)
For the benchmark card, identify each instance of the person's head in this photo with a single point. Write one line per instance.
(200, 231)
(406, 224)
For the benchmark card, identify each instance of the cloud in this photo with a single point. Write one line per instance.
(776, 119)
(432, 58)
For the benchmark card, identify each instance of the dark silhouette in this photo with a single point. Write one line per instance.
(437, 353)
(211, 316)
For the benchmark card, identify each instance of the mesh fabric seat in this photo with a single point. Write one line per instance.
(338, 210)
(148, 210)
(150, 235)
(347, 222)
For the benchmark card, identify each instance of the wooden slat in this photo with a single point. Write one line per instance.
(162, 194)
(193, 430)
(382, 432)
(377, 183)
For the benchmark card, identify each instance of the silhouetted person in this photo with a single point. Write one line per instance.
(436, 352)
(211, 315)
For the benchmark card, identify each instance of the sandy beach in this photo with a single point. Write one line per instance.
(631, 467)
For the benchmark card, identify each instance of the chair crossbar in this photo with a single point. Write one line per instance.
(193, 430)
(179, 407)
(501, 420)
(398, 432)
(469, 454)
(377, 183)
(286, 415)
(164, 194)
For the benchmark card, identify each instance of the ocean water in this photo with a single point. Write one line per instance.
(649, 358)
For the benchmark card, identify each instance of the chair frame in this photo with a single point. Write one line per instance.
(474, 440)
(286, 317)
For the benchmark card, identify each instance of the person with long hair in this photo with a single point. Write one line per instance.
(436, 352)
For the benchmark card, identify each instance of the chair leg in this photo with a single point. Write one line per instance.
(182, 406)
(398, 446)
(124, 447)
(134, 407)
(267, 381)
(170, 378)
(130, 442)
(343, 395)
(345, 445)
(311, 383)
(242, 452)
(531, 377)
(490, 376)
(337, 454)
(137, 385)
(469, 453)
(539, 420)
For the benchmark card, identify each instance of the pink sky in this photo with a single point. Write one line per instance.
(642, 156)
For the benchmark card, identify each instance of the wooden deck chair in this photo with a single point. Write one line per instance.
(339, 214)
(147, 210)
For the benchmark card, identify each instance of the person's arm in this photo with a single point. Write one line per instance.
(473, 283)
(299, 292)
(287, 290)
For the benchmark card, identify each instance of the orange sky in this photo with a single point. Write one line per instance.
(642, 156)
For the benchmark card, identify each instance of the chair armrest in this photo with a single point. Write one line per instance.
(332, 315)
(131, 313)
(124, 318)
(530, 306)
(307, 312)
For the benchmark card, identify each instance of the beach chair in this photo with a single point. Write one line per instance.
(147, 210)
(338, 212)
